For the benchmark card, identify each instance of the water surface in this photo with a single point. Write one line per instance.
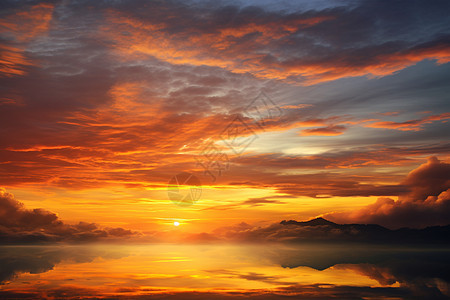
(165, 271)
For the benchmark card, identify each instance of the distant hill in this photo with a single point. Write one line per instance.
(313, 222)
(324, 230)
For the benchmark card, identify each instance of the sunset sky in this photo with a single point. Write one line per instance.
(103, 102)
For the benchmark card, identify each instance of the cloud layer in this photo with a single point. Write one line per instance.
(314, 45)
(21, 225)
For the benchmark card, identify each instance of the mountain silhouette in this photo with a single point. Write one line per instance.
(320, 229)
(314, 222)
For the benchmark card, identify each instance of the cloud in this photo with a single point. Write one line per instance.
(251, 276)
(331, 130)
(303, 46)
(296, 106)
(318, 184)
(355, 157)
(25, 23)
(13, 61)
(264, 200)
(411, 125)
(18, 27)
(117, 96)
(427, 203)
(21, 225)
(287, 232)
(430, 179)
(251, 202)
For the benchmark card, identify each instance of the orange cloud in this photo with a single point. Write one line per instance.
(390, 113)
(224, 48)
(331, 130)
(26, 25)
(378, 66)
(252, 48)
(12, 61)
(21, 28)
(297, 106)
(411, 125)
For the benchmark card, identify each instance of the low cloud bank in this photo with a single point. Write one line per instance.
(21, 225)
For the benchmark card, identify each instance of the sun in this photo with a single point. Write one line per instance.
(176, 223)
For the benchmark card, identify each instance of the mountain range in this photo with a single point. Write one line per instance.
(329, 231)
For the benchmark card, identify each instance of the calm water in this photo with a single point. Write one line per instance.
(223, 272)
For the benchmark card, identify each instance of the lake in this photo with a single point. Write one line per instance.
(222, 271)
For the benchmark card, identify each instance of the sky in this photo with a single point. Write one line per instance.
(268, 110)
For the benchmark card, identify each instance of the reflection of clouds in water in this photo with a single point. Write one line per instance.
(297, 291)
(420, 273)
(39, 259)
(252, 276)
(433, 287)
(425, 273)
